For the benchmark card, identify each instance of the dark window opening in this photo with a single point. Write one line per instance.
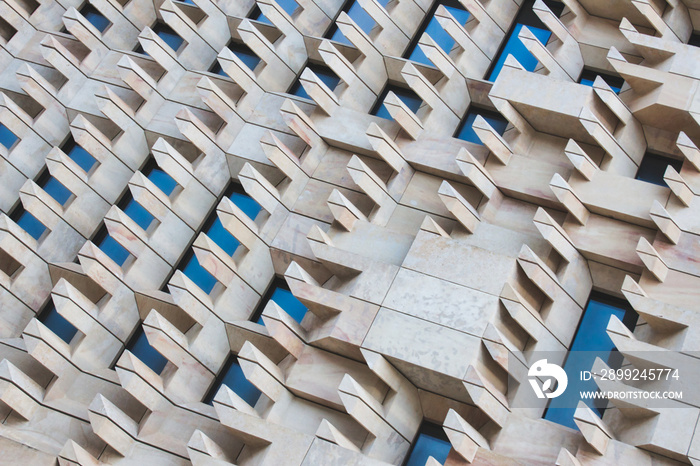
(430, 440)
(407, 96)
(466, 131)
(58, 324)
(53, 187)
(139, 347)
(79, 155)
(27, 222)
(279, 292)
(232, 376)
(110, 246)
(512, 45)
(590, 341)
(432, 27)
(94, 17)
(157, 175)
(654, 166)
(324, 73)
(588, 78)
(243, 52)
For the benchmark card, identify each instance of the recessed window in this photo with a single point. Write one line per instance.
(279, 293)
(157, 175)
(466, 131)
(591, 341)
(139, 347)
(95, 18)
(431, 440)
(694, 40)
(243, 52)
(136, 211)
(53, 187)
(232, 376)
(190, 266)
(166, 33)
(7, 137)
(27, 222)
(514, 46)
(358, 15)
(188, 2)
(110, 246)
(257, 15)
(654, 166)
(58, 324)
(9, 265)
(588, 77)
(407, 96)
(78, 154)
(324, 73)
(432, 27)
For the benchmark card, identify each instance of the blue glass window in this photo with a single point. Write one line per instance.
(466, 131)
(590, 341)
(190, 266)
(27, 222)
(162, 180)
(357, 14)
(95, 18)
(169, 36)
(53, 187)
(189, 2)
(58, 324)
(324, 73)
(78, 154)
(139, 347)
(110, 246)
(430, 441)
(257, 15)
(407, 96)
(654, 166)
(7, 137)
(280, 294)
(588, 78)
(242, 51)
(435, 31)
(136, 211)
(232, 376)
(514, 46)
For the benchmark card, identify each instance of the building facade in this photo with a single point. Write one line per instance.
(327, 232)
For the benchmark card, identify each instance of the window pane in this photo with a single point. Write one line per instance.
(466, 131)
(56, 190)
(431, 441)
(138, 214)
(654, 166)
(438, 34)
(246, 204)
(114, 250)
(199, 275)
(291, 305)
(95, 18)
(140, 347)
(161, 179)
(57, 323)
(515, 47)
(408, 97)
(222, 237)
(169, 36)
(588, 78)
(7, 137)
(78, 154)
(27, 222)
(361, 18)
(591, 341)
(232, 376)
(326, 75)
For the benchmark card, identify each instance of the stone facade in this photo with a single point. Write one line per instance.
(427, 262)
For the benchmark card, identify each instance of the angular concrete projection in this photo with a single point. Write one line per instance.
(258, 233)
